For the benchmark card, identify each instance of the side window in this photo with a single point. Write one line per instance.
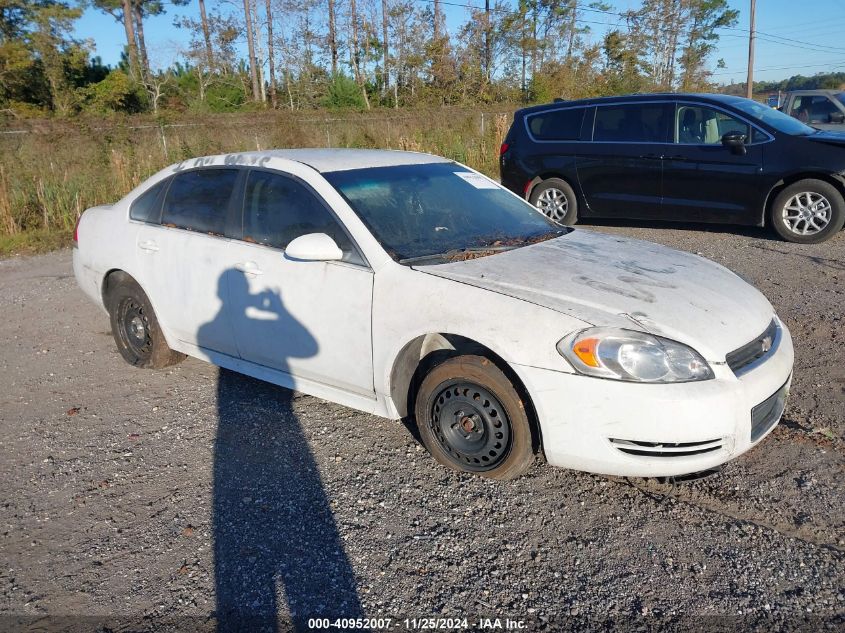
(813, 108)
(278, 209)
(557, 125)
(198, 200)
(643, 123)
(697, 125)
(147, 206)
(821, 107)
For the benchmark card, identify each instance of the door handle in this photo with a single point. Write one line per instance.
(678, 157)
(651, 157)
(148, 245)
(249, 268)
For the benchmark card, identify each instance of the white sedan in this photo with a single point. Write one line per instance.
(408, 285)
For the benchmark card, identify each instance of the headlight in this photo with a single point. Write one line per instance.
(633, 356)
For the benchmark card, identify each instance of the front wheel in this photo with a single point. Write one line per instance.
(808, 211)
(556, 200)
(471, 419)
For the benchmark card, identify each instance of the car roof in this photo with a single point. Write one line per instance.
(655, 96)
(815, 91)
(330, 159)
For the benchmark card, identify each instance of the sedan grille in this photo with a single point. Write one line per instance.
(666, 449)
(741, 358)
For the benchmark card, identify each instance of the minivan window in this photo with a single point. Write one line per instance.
(557, 125)
(278, 209)
(198, 200)
(635, 122)
(147, 207)
(698, 125)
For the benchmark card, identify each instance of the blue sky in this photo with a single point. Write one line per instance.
(813, 39)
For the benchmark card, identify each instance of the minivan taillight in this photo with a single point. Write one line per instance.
(76, 232)
(503, 148)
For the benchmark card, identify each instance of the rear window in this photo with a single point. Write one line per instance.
(147, 206)
(198, 200)
(636, 122)
(557, 125)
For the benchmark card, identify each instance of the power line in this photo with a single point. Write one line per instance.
(833, 63)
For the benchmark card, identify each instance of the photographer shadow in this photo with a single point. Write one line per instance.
(275, 538)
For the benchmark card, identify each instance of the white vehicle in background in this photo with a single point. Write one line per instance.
(404, 284)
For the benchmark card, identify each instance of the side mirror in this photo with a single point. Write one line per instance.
(837, 117)
(736, 141)
(313, 247)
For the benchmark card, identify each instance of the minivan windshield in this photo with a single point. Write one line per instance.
(777, 119)
(438, 212)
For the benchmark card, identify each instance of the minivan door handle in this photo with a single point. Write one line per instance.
(677, 157)
(650, 157)
(148, 245)
(249, 268)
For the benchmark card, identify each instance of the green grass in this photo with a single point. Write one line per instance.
(34, 242)
(52, 170)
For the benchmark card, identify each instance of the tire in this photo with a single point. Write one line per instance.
(135, 328)
(557, 200)
(817, 208)
(490, 433)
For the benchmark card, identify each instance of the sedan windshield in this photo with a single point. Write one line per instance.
(777, 119)
(436, 212)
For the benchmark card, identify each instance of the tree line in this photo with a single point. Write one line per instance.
(355, 53)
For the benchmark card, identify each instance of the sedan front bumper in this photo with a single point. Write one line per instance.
(658, 430)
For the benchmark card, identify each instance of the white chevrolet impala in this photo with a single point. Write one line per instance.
(408, 285)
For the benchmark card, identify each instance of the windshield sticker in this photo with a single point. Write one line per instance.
(476, 180)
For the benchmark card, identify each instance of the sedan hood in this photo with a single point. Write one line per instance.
(606, 280)
(830, 137)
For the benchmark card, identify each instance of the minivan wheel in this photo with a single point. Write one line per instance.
(556, 199)
(471, 419)
(135, 328)
(808, 211)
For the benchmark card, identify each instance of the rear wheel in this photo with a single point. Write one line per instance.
(556, 199)
(471, 419)
(808, 211)
(135, 328)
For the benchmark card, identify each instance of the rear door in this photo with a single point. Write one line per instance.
(620, 170)
(705, 181)
(183, 260)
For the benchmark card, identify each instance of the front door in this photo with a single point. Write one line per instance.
(704, 181)
(308, 319)
(620, 171)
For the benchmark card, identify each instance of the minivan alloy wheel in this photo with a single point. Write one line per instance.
(807, 213)
(553, 203)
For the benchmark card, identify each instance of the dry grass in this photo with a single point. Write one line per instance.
(51, 171)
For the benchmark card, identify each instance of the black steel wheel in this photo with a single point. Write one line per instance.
(134, 325)
(471, 425)
(471, 418)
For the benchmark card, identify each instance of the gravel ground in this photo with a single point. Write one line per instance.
(195, 498)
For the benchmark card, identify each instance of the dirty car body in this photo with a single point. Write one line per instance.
(629, 358)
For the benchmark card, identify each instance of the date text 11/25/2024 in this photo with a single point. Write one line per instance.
(417, 624)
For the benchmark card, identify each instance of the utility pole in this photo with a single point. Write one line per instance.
(487, 58)
(749, 84)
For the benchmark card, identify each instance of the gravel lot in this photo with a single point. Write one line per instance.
(193, 498)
